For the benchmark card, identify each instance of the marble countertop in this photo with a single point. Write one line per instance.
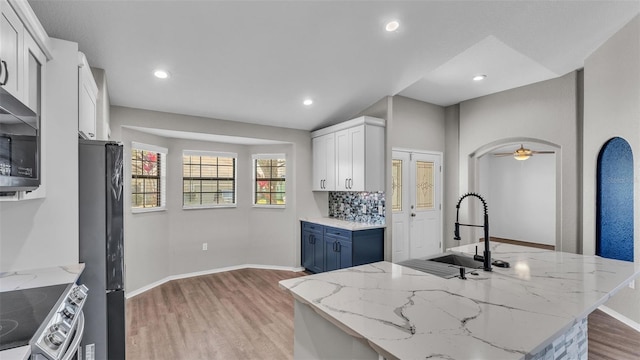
(27, 279)
(343, 224)
(505, 314)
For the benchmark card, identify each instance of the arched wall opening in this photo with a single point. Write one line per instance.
(614, 203)
(524, 197)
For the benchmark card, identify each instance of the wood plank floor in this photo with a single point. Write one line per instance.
(243, 314)
(610, 339)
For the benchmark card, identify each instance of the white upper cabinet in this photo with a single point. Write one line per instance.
(87, 100)
(34, 63)
(359, 155)
(22, 58)
(324, 163)
(11, 51)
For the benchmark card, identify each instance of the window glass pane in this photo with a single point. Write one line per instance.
(225, 172)
(191, 199)
(396, 185)
(209, 185)
(186, 159)
(424, 185)
(225, 161)
(263, 186)
(194, 170)
(277, 186)
(278, 198)
(150, 200)
(209, 160)
(263, 199)
(209, 171)
(209, 198)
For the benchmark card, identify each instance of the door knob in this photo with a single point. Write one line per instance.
(413, 214)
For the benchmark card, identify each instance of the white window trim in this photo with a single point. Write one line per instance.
(255, 157)
(164, 152)
(235, 177)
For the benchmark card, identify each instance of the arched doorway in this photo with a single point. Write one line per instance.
(614, 209)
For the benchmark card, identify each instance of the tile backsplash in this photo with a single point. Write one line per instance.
(366, 207)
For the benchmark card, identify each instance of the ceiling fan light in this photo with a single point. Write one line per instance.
(521, 156)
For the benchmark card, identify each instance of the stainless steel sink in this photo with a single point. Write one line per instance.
(459, 260)
(446, 266)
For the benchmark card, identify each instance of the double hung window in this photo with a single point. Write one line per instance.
(208, 179)
(148, 177)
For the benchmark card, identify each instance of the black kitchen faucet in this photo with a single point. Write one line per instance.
(487, 252)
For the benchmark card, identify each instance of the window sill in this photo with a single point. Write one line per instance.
(210, 207)
(148, 210)
(269, 206)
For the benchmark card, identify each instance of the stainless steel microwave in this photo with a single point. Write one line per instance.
(19, 146)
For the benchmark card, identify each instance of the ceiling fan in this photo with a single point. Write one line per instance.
(523, 154)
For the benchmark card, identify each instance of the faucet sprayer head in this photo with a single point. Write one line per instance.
(456, 232)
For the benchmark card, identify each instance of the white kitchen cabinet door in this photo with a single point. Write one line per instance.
(11, 50)
(87, 100)
(324, 163)
(350, 154)
(343, 160)
(34, 63)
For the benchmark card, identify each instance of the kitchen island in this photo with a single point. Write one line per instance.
(537, 308)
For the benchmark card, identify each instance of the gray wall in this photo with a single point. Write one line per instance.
(545, 111)
(235, 236)
(43, 232)
(522, 195)
(451, 171)
(612, 108)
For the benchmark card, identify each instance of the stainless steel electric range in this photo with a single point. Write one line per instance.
(49, 319)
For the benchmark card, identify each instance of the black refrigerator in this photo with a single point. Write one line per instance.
(102, 248)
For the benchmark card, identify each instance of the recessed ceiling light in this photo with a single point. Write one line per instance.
(307, 102)
(479, 77)
(392, 26)
(161, 74)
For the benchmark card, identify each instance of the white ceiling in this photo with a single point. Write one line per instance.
(255, 61)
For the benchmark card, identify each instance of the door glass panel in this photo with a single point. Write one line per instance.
(396, 185)
(424, 185)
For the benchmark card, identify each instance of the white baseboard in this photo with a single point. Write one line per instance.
(130, 294)
(616, 315)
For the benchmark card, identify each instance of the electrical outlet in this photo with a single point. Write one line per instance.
(205, 246)
(379, 209)
(364, 208)
(632, 284)
(342, 207)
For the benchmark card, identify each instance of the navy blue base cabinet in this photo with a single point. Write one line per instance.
(326, 248)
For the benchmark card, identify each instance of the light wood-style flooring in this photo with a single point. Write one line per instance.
(243, 314)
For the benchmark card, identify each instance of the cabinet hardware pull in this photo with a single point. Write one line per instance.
(6, 72)
(350, 183)
(338, 246)
(346, 182)
(1, 68)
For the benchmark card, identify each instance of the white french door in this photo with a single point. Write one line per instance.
(416, 206)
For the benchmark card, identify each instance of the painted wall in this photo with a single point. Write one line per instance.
(39, 233)
(146, 235)
(612, 108)
(522, 197)
(417, 125)
(544, 111)
(235, 236)
(450, 173)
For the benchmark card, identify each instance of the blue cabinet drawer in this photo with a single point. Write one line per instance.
(312, 227)
(333, 232)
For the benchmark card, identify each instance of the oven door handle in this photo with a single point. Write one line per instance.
(75, 344)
